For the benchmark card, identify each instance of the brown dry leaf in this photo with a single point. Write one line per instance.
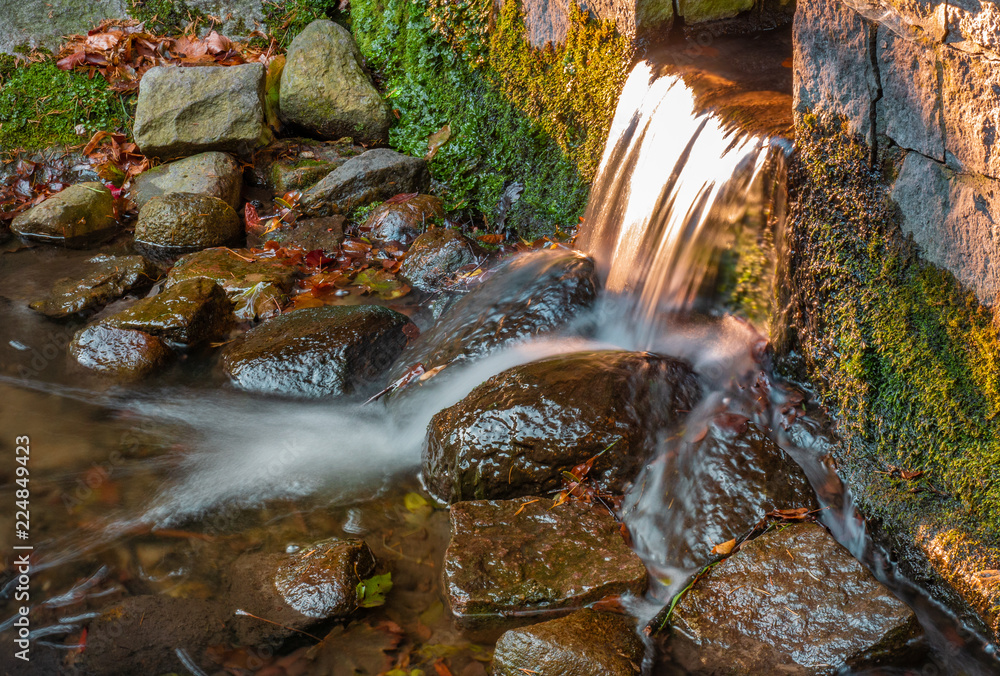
(724, 548)
(437, 139)
(103, 42)
(358, 648)
(217, 44)
(793, 514)
(989, 577)
(910, 474)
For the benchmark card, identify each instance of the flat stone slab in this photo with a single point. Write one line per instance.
(111, 277)
(372, 176)
(79, 216)
(213, 173)
(789, 602)
(511, 559)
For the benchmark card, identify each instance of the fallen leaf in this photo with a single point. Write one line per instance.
(371, 592)
(724, 548)
(436, 140)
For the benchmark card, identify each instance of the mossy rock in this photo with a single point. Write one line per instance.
(187, 313)
(178, 223)
(79, 216)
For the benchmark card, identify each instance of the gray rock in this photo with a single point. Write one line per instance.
(309, 234)
(81, 215)
(43, 25)
(789, 602)
(833, 66)
(971, 98)
(215, 174)
(297, 590)
(952, 218)
(325, 90)
(187, 313)
(317, 352)
(185, 111)
(516, 433)
(373, 176)
(403, 221)
(112, 277)
(123, 353)
(239, 17)
(179, 223)
(435, 257)
(586, 643)
(511, 560)
(257, 287)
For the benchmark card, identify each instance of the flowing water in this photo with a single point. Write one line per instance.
(157, 490)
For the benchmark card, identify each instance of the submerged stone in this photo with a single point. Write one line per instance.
(373, 176)
(178, 223)
(517, 559)
(325, 90)
(257, 287)
(81, 215)
(111, 277)
(307, 234)
(791, 602)
(586, 643)
(297, 590)
(187, 313)
(213, 173)
(435, 257)
(185, 111)
(516, 433)
(317, 352)
(403, 221)
(122, 353)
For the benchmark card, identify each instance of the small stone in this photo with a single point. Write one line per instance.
(185, 111)
(373, 176)
(317, 352)
(187, 313)
(122, 353)
(435, 257)
(308, 234)
(298, 163)
(325, 90)
(404, 221)
(215, 174)
(112, 277)
(81, 215)
(178, 223)
(586, 643)
(790, 602)
(517, 559)
(317, 583)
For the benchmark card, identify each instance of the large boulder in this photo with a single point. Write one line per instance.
(297, 590)
(516, 433)
(586, 643)
(435, 257)
(122, 353)
(531, 295)
(373, 176)
(111, 277)
(790, 602)
(185, 111)
(404, 218)
(186, 313)
(317, 352)
(81, 215)
(178, 223)
(215, 174)
(511, 560)
(325, 90)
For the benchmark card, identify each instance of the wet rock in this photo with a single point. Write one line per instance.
(185, 111)
(700, 11)
(179, 223)
(111, 277)
(403, 221)
(298, 163)
(517, 432)
(531, 295)
(122, 353)
(317, 352)
(215, 174)
(187, 313)
(373, 176)
(719, 488)
(145, 634)
(435, 257)
(789, 602)
(586, 643)
(81, 215)
(325, 90)
(524, 558)
(297, 591)
(257, 287)
(309, 234)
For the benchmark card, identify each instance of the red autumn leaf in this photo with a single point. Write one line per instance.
(401, 197)
(72, 61)
(317, 259)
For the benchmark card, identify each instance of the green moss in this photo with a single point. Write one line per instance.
(516, 114)
(907, 357)
(167, 17)
(286, 19)
(41, 106)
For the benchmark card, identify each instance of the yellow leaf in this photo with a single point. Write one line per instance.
(724, 548)
(437, 139)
